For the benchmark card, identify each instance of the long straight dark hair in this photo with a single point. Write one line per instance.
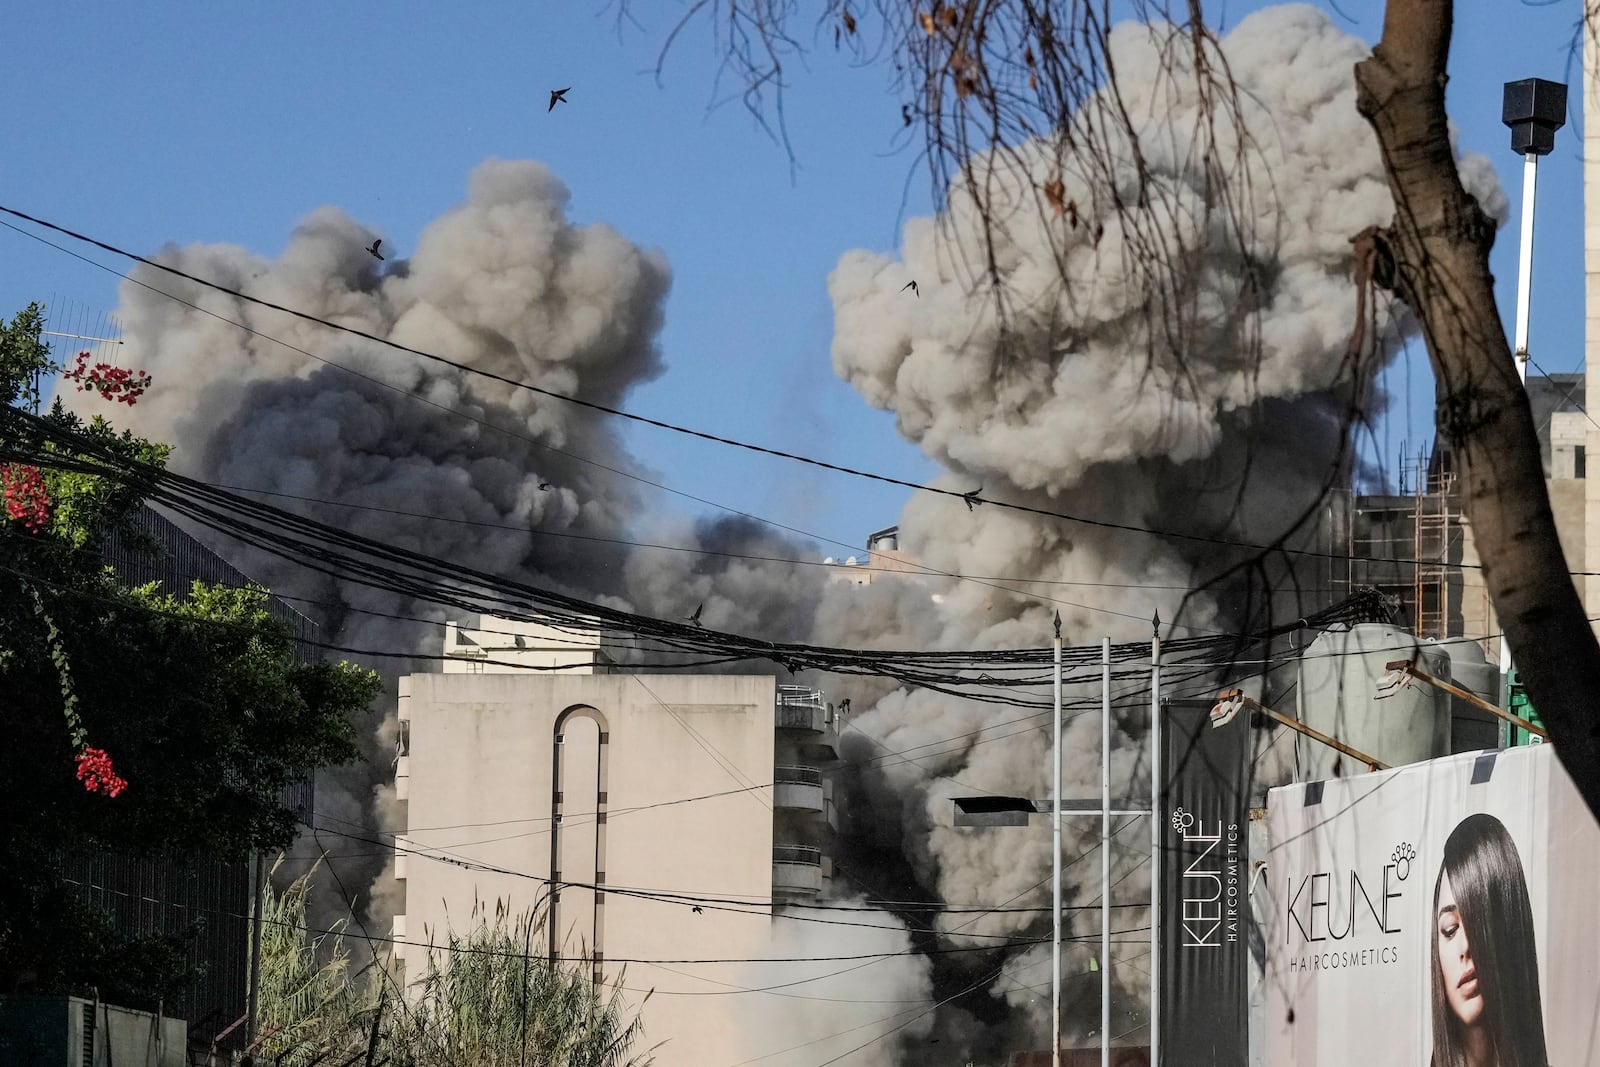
(1485, 872)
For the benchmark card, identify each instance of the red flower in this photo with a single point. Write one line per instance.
(94, 771)
(117, 384)
(25, 496)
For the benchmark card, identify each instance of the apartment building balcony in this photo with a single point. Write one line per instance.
(800, 789)
(798, 871)
(805, 714)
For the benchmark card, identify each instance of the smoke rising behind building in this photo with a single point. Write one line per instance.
(1069, 403)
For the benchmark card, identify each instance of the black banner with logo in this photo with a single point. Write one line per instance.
(1204, 885)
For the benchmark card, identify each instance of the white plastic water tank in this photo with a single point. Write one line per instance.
(1471, 728)
(1341, 670)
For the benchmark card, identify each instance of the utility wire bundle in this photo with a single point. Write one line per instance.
(29, 439)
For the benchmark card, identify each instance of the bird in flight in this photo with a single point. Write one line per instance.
(912, 285)
(695, 618)
(698, 910)
(558, 96)
(972, 499)
(545, 487)
(373, 249)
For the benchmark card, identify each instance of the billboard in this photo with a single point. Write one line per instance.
(1204, 880)
(1441, 913)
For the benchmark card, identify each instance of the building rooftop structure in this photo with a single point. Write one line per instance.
(509, 645)
(882, 556)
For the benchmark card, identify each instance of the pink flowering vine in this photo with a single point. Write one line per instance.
(26, 500)
(96, 773)
(117, 384)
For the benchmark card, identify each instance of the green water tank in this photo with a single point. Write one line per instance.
(1518, 704)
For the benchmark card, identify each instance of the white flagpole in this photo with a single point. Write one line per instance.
(1105, 852)
(1155, 842)
(1055, 881)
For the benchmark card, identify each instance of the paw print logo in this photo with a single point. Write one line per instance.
(1401, 857)
(1182, 820)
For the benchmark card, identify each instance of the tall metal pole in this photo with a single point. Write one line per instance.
(1530, 186)
(1105, 852)
(1055, 879)
(1155, 842)
(258, 878)
(1534, 109)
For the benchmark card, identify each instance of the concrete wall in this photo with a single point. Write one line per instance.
(480, 788)
(54, 1031)
(1571, 506)
(502, 645)
(1569, 439)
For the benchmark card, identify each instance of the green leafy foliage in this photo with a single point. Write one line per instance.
(488, 998)
(24, 358)
(200, 700)
(313, 1001)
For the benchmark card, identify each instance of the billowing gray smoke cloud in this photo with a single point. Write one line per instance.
(504, 283)
(1073, 407)
(1073, 401)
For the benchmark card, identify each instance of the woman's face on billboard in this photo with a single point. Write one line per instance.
(1455, 959)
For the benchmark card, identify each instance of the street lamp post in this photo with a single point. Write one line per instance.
(995, 811)
(1534, 109)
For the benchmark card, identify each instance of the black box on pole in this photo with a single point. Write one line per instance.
(1534, 109)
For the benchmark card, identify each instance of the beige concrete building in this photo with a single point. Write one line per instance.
(883, 556)
(658, 817)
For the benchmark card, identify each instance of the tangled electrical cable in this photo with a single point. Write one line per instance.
(338, 553)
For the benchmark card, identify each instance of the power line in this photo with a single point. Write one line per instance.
(902, 755)
(473, 950)
(690, 900)
(847, 568)
(339, 553)
(967, 498)
(399, 994)
(412, 396)
(718, 757)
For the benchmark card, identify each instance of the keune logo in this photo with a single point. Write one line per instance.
(1208, 914)
(1336, 904)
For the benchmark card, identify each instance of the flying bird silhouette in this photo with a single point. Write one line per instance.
(912, 285)
(374, 249)
(698, 910)
(972, 499)
(545, 487)
(695, 618)
(558, 96)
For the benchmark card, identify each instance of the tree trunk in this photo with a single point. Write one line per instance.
(1438, 246)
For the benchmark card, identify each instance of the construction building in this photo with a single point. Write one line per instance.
(1416, 543)
(654, 816)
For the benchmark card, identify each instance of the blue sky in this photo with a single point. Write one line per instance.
(146, 124)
